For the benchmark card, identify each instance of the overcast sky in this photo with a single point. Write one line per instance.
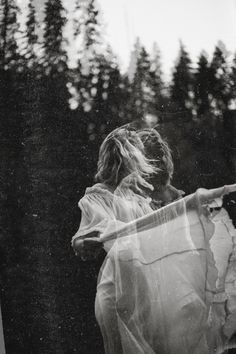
(198, 23)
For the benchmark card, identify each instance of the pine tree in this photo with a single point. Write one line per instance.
(147, 87)
(109, 101)
(9, 27)
(77, 22)
(55, 20)
(142, 94)
(31, 35)
(220, 79)
(96, 75)
(91, 53)
(202, 86)
(181, 87)
(92, 24)
(156, 82)
(204, 130)
(133, 59)
(233, 78)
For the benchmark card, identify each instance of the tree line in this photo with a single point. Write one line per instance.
(53, 117)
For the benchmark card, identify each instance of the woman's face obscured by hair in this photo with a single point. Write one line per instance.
(121, 154)
(158, 150)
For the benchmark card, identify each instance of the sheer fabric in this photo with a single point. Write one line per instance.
(168, 282)
(105, 211)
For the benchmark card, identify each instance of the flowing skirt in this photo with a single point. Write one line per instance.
(170, 289)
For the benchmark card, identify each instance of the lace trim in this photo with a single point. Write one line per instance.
(100, 189)
(104, 190)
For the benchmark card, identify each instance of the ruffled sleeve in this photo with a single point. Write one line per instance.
(97, 213)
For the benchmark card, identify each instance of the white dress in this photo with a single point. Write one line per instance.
(168, 288)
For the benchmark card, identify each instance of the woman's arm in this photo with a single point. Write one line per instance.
(94, 218)
(168, 212)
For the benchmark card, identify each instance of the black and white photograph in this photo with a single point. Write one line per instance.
(117, 176)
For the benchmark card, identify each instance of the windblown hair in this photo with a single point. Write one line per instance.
(122, 153)
(158, 150)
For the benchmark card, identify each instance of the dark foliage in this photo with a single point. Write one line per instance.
(202, 86)
(181, 87)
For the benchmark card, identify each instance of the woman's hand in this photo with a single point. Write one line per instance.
(88, 248)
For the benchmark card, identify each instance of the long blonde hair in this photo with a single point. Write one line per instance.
(157, 149)
(122, 153)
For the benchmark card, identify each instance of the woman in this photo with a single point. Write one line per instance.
(121, 156)
(133, 288)
(127, 175)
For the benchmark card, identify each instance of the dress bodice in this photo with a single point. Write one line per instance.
(103, 209)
